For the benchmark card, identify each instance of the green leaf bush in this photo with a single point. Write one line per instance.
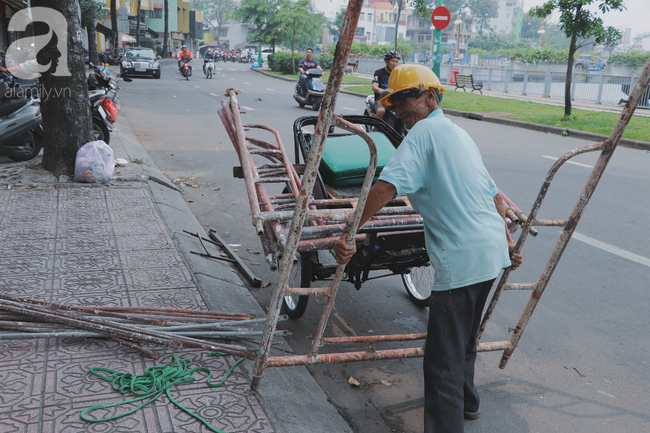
(281, 62)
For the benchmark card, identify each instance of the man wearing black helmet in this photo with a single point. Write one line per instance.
(380, 81)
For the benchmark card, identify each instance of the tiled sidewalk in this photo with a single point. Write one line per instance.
(101, 246)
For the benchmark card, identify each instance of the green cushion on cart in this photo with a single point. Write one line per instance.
(346, 158)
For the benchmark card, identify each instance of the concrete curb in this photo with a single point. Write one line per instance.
(575, 133)
(291, 398)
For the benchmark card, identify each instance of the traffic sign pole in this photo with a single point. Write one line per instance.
(437, 34)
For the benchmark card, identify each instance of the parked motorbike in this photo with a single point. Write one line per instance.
(315, 90)
(104, 113)
(389, 116)
(208, 68)
(21, 133)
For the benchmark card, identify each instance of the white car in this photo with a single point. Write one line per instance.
(265, 54)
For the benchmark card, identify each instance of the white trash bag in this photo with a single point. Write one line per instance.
(95, 163)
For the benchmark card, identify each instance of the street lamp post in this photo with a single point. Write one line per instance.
(457, 23)
(533, 33)
(541, 32)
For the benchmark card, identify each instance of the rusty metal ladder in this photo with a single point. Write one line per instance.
(302, 206)
(606, 149)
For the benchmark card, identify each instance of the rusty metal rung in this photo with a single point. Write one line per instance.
(494, 346)
(312, 291)
(265, 152)
(272, 180)
(520, 286)
(549, 223)
(374, 338)
(288, 361)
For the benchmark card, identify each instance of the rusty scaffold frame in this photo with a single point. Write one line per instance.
(291, 222)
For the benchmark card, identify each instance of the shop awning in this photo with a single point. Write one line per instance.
(101, 28)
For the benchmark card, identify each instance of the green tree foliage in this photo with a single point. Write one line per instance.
(298, 20)
(492, 42)
(484, 11)
(283, 62)
(424, 7)
(578, 22)
(91, 11)
(215, 13)
(336, 26)
(262, 14)
(633, 59)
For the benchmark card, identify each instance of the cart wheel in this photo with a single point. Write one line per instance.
(295, 306)
(418, 284)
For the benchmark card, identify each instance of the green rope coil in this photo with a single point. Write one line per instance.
(151, 384)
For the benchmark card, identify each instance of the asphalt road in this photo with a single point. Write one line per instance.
(582, 364)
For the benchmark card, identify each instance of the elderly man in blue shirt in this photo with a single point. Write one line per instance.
(440, 169)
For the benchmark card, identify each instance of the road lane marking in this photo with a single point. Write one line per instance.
(568, 162)
(231, 78)
(247, 108)
(270, 90)
(348, 108)
(248, 84)
(233, 69)
(612, 249)
(214, 94)
(196, 87)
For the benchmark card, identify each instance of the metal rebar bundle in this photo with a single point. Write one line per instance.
(22, 318)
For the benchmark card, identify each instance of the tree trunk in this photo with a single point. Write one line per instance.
(92, 44)
(67, 124)
(137, 25)
(293, 55)
(569, 76)
(166, 35)
(399, 12)
(114, 25)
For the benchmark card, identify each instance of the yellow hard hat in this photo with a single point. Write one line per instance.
(407, 77)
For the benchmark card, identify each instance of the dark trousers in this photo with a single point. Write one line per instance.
(449, 357)
(303, 84)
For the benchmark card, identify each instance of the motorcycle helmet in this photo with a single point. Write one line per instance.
(411, 80)
(391, 55)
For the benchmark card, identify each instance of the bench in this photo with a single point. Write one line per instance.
(468, 80)
(351, 67)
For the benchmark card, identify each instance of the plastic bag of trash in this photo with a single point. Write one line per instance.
(95, 163)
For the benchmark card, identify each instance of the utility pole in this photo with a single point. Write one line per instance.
(137, 26)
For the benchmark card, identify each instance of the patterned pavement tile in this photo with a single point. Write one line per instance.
(27, 286)
(157, 278)
(84, 231)
(35, 196)
(139, 228)
(31, 232)
(69, 263)
(83, 216)
(139, 202)
(139, 259)
(28, 219)
(29, 265)
(119, 216)
(91, 245)
(187, 298)
(26, 247)
(71, 204)
(144, 242)
(81, 283)
(82, 192)
(119, 194)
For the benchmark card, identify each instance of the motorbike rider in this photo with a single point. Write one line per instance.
(304, 65)
(209, 56)
(380, 80)
(185, 54)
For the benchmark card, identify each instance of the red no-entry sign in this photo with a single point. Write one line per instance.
(440, 17)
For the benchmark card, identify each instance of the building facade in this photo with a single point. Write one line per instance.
(509, 16)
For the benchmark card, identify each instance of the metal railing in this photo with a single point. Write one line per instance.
(594, 87)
